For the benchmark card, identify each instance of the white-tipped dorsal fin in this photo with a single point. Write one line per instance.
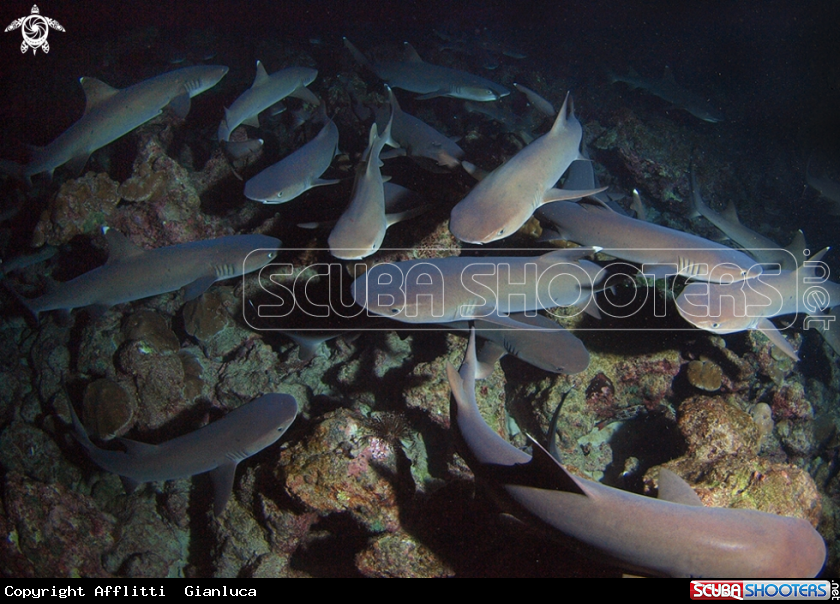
(96, 92)
(119, 247)
(411, 54)
(560, 122)
(261, 76)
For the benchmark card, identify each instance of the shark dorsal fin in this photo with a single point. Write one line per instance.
(674, 489)
(560, 122)
(261, 76)
(797, 247)
(545, 469)
(411, 54)
(395, 106)
(808, 269)
(119, 247)
(731, 213)
(96, 92)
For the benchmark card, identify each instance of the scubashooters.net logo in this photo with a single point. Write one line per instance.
(35, 29)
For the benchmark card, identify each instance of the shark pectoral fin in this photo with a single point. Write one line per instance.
(400, 216)
(129, 484)
(591, 309)
(180, 105)
(198, 287)
(676, 490)
(222, 486)
(97, 311)
(303, 93)
(766, 327)
(252, 120)
(474, 171)
(550, 234)
(328, 224)
(487, 356)
(322, 182)
(565, 194)
(392, 153)
(308, 346)
(432, 95)
(445, 159)
(77, 164)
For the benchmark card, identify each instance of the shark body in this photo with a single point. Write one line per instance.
(442, 290)
(674, 535)
(264, 92)
(507, 197)
(361, 228)
(750, 304)
(132, 273)
(662, 251)
(417, 139)
(297, 172)
(668, 90)
(540, 342)
(430, 81)
(757, 245)
(217, 448)
(110, 113)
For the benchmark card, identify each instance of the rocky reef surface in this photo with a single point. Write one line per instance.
(367, 481)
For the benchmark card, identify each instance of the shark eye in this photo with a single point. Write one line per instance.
(394, 311)
(715, 325)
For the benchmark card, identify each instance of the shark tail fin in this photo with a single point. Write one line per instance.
(79, 430)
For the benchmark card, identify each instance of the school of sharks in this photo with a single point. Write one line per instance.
(382, 290)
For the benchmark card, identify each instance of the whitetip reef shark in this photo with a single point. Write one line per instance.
(674, 535)
(361, 228)
(540, 342)
(417, 139)
(264, 92)
(298, 172)
(457, 288)
(415, 75)
(506, 198)
(757, 245)
(110, 113)
(132, 273)
(660, 250)
(724, 308)
(668, 90)
(216, 448)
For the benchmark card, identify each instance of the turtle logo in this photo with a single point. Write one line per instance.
(35, 28)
